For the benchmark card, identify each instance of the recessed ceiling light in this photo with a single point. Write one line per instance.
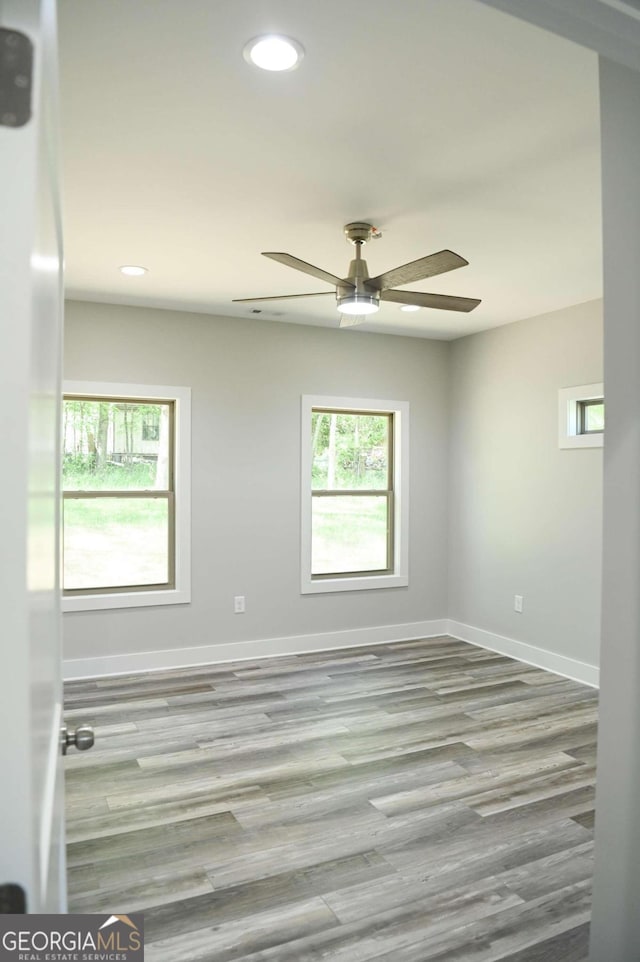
(273, 52)
(410, 307)
(133, 270)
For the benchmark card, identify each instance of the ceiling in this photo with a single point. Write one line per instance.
(445, 123)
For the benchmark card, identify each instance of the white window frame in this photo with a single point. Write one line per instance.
(569, 416)
(399, 577)
(181, 593)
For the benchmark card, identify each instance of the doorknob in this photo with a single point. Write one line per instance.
(82, 738)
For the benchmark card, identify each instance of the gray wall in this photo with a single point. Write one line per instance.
(525, 516)
(497, 508)
(247, 378)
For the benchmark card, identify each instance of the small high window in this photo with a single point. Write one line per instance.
(591, 416)
(581, 416)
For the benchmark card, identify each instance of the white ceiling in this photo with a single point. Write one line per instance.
(445, 123)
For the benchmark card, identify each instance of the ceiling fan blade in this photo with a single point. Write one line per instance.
(441, 302)
(299, 265)
(351, 320)
(279, 297)
(427, 266)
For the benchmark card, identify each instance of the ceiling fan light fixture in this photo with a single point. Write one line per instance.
(358, 304)
(273, 52)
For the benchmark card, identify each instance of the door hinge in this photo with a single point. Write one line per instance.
(16, 78)
(13, 901)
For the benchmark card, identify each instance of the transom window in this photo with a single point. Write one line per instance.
(125, 497)
(355, 493)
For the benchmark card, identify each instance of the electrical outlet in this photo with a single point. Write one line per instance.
(518, 601)
(238, 605)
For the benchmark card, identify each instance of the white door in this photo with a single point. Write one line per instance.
(31, 815)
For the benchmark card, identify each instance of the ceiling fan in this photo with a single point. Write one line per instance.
(357, 294)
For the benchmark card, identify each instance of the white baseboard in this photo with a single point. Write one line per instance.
(521, 651)
(102, 666)
(242, 650)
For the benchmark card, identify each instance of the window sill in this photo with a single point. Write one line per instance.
(125, 599)
(583, 441)
(362, 583)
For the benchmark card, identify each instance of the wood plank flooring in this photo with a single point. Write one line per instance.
(416, 802)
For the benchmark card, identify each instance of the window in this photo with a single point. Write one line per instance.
(351, 493)
(355, 497)
(125, 495)
(581, 416)
(591, 416)
(151, 424)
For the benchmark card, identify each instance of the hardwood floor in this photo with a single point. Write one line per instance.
(416, 802)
